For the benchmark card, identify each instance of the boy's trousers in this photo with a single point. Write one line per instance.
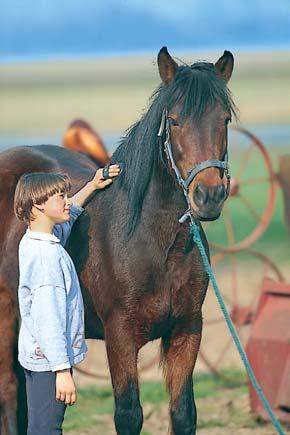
(45, 413)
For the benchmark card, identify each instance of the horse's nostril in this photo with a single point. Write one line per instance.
(200, 195)
(204, 197)
(220, 193)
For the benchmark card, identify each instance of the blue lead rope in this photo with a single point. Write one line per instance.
(194, 229)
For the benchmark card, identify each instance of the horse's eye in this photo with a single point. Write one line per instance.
(173, 121)
(227, 120)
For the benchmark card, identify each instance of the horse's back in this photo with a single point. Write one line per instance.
(42, 158)
(21, 160)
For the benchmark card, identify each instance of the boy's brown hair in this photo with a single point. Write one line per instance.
(36, 188)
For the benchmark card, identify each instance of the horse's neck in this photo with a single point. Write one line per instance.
(163, 206)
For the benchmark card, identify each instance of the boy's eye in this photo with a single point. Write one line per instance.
(173, 121)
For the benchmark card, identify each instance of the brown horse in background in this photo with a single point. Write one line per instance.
(80, 136)
(141, 274)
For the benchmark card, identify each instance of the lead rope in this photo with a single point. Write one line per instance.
(194, 230)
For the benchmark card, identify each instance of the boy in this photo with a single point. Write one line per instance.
(51, 338)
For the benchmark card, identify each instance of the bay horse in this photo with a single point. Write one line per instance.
(80, 136)
(141, 274)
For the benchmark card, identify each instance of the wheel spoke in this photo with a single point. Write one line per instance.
(229, 226)
(256, 294)
(250, 207)
(254, 181)
(217, 258)
(234, 279)
(244, 161)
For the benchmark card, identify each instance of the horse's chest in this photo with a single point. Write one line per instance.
(178, 291)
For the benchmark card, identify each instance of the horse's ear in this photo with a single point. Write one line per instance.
(167, 66)
(225, 65)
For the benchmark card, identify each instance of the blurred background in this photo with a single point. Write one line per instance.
(96, 60)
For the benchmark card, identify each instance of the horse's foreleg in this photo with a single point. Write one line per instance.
(122, 357)
(8, 381)
(179, 356)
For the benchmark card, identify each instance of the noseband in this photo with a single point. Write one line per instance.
(184, 183)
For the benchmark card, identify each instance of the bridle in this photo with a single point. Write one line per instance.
(184, 183)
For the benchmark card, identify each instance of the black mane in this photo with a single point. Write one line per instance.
(199, 88)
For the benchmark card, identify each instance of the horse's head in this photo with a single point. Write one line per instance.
(198, 108)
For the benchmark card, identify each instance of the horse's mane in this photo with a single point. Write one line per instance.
(198, 88)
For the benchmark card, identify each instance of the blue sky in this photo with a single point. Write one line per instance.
(70, 27)
(175, 11)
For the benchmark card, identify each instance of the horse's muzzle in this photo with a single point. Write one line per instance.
(209, 201)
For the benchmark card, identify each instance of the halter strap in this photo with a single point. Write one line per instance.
(204, 165)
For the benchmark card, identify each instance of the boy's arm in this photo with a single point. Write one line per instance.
(48, 311)
(62, 231)
(98, 182)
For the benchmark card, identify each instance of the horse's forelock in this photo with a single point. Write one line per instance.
(197, 87)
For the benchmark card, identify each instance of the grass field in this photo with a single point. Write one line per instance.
(95, 401)
(223, 408)
(111, 93)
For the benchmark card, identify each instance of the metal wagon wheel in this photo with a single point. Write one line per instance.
(241, 281)
(252, 194)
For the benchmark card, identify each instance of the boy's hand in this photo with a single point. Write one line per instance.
(65, 387)
(98, 180)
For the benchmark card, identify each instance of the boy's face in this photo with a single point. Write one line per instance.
(57, 208)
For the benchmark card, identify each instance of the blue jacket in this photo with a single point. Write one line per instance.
(51, 334)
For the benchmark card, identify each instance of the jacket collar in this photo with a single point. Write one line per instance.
(37, 235)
